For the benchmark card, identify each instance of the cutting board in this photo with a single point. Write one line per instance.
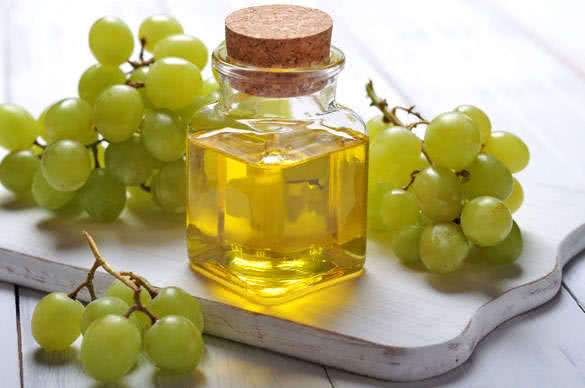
(393, 322)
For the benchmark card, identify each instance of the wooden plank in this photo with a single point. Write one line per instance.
(449, 53)
(9, 338)
(555, 29)
(539, 349)
(225, 364)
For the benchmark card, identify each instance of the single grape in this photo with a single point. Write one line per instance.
(100, 308)
(443, 247)
(376, 192)
(98, 78)
(514, 201)
(157, 27)
(69, 119)
(486, 221)
(183, 116)
(173, 83)
(505, 252)
(18, 129)
(452, 140)
(399, 208)
(129, 161)
(169, 187)
(488, 176)
(508, 149)
(140, 200)
(406, 243)
(46, 196)
(162, 137)
(173, 343)
(376, 125)
(439, 193)
(394, 154)
(210, 85)
(56, 321)
(111, 41)
(17, 170)
(66, 165)
(182, 46)
(110, 348)
(103, 197)
(479, 118)
(118, 112)
(139, 75)
(176, 301)
(119, 290)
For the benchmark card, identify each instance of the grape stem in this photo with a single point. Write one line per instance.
(138, 306)
(382, 104)
(409, 110)
(412, 178)
(141, 282)
(134, 84)
(94, 151)
(141, 62)
(145, 187)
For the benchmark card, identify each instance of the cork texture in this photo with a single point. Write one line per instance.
(279, 36)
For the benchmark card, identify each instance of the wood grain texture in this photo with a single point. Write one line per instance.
(10, 371)
(225, 364)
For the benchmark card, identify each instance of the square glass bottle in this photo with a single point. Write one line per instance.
(277, 169)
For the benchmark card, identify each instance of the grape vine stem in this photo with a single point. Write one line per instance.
(382, 104)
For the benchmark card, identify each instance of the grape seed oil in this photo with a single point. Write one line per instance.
(277, 182)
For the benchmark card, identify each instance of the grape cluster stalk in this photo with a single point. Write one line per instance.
(449, 196)
(133, 317)
(121, 141)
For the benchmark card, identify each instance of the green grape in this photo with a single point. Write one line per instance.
(183, 116)
(508, 149)
(439, 193)
(376, 192)
(162, 137)
(376, 125)
(46, 196)
(406, 243)
(505, 252)
(110, 348)
(111, 41)
(488, 176)
(394, 154)
(18, 129)
(210, 85)
(69, 119)
(399, 208)
(173, 343)
(452, 140)
(423, 162)
(41, 122)
(129, 161)
(176, 301)
(443, 247)
(173, 83)
(486, 221)
(103, 197)
(139, 75)
(157, 27)
(98, 78)
(169, 187)
(66, 165)
(17, 170)
(182, 46)
(100, 308)
(514, 201)
(56, 321)
(479, 118)
(118, 112)
(119, 290)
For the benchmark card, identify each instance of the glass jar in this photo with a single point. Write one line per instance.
(277, 186)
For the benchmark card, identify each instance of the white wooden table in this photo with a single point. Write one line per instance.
(522, 61)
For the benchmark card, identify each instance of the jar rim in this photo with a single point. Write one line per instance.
(229, 68)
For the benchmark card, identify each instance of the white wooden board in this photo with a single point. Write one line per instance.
(392, 323)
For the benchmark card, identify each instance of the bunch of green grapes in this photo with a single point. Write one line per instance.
(439, 196)
(126, 129)
(167, 324)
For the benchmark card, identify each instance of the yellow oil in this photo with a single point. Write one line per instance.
(277, 209)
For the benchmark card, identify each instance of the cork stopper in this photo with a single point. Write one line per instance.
(279, 36)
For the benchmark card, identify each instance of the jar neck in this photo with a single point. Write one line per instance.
(249, 91)
(237, 103)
